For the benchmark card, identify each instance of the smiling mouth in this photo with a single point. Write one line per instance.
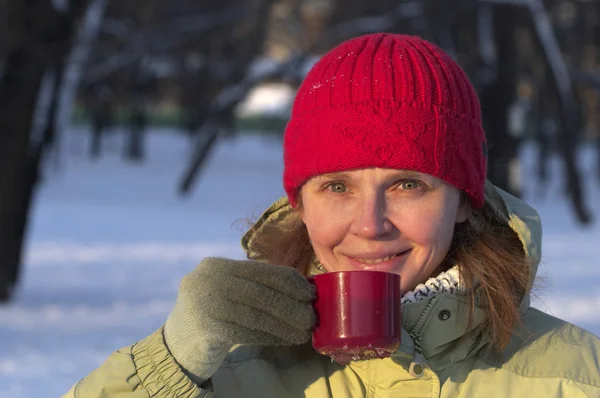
(374, 261)
(377, 260)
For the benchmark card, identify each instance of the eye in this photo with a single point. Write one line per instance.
(337, 187)
(409, 185)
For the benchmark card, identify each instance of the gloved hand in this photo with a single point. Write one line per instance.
(226, 302)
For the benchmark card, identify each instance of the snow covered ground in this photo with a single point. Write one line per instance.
(109, 242)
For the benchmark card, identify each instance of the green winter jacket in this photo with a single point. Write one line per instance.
(547, 357)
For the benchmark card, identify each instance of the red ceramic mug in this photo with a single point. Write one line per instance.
(358, 315)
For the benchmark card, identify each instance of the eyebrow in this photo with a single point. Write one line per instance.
(341, 175)
(346, 175)
(411, 174)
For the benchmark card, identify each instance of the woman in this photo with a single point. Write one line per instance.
(385, 167)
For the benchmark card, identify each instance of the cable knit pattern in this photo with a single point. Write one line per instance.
(389, 101)
(446, 282)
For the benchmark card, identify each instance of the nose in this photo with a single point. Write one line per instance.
(371, 221)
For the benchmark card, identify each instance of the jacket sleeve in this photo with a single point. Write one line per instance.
(143, 370)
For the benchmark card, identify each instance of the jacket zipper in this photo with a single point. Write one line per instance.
(419, 363)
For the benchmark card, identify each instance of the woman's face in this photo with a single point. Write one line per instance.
(382, 220)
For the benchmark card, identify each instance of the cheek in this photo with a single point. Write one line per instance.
(325, 228)
(428, 227)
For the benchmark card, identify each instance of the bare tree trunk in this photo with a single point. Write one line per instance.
(542, 160)
(135, 142)
(441, 20)
(544, 134)
(544, 128)
(496, 98)
(50, 136)
(141, 89)
(18, 169)
(243, 53)
(569, 113)
(96, 144)
(77, 58)
(205, 142)
(40, 37)
(598, 158)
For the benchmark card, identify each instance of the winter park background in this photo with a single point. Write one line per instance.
(109, 237)
(110, 242)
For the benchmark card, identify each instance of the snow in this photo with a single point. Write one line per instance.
(110, 240)
(267, 99)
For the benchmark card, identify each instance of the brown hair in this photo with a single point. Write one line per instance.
(491, 259)
(494, 268)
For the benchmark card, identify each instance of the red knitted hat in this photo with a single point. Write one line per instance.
(389, 101)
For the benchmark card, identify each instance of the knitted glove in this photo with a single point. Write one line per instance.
(226, 302)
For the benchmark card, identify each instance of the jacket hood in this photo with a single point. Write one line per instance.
(438, 336)
(522, 218)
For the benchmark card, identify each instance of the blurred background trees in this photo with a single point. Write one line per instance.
(132, 64)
